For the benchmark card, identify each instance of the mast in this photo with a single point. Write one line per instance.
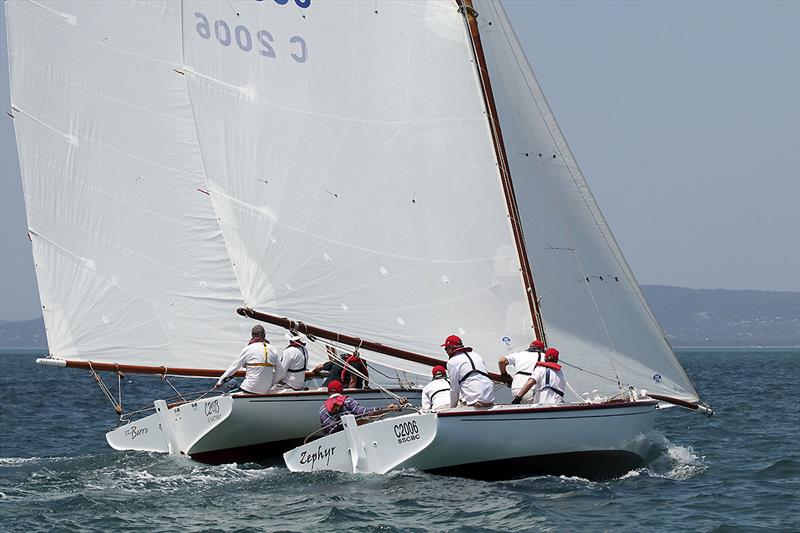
(316, 331)
(470, 18)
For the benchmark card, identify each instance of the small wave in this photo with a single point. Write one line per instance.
(18, 460)
(783, 469)
(674, 461)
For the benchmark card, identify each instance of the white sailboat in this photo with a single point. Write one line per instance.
(132, 270)
(382, 174)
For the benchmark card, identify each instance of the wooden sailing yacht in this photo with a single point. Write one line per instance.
(354, 170)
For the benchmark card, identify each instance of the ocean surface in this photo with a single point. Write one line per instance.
(738, 471)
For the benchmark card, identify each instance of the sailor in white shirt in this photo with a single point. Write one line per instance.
(291, 375)
(259, 360)
(436, 394)
(469, 381)
(523, 363)
(548, 379)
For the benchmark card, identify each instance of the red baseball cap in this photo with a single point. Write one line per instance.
(452, 340)
(438, 369)
(335, 386)
(539, 345)
(551, 353)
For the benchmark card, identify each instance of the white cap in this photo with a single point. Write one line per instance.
(293, 337)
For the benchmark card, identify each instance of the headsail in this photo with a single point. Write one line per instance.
(351, 165)
(129, 258)
(592, 306)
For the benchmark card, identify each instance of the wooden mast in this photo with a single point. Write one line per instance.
(470, 16)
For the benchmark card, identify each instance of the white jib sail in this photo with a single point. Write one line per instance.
(129, 258)
(592, 306)
(351, 165)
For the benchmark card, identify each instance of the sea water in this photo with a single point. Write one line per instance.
(736, 471)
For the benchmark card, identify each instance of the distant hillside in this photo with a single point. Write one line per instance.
(690, 317)
(23, 334)
(719, 317)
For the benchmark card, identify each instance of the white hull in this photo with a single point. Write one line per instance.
(241, 427)
(592, 441)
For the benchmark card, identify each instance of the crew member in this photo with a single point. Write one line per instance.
(469, 381)
(436, 394)
(354, 368)
(259, 359)
(331, 369)
(294, 364)
(337, 405)
(523, 363)
(549, 381)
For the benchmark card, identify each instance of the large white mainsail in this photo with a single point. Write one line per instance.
(351, 165)
(591, 304)
(129, 259)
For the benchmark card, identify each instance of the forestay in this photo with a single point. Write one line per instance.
(350, 162)
(129, 258)
(592, 306)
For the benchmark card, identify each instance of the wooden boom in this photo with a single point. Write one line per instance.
(356, 342)
(135, 369)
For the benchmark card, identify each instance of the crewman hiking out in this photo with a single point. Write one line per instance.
(259, 359)
(337, 405)
(294, 365)
(469, 381)
(436, 394)
(548, 379)
(523, 362)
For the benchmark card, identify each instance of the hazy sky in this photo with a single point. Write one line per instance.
(684, 116)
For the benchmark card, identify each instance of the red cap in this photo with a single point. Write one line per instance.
(539, 345)
(551, 353)
(335, 400)
(335, 386)
(438, 369)
(452, 341)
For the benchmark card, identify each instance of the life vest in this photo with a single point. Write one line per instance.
(434, 393)
(474, 370)
(266, 356)
(548, 366)
(334, 399)
(304, 351)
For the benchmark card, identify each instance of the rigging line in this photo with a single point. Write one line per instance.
(340, 346)
(602, 322)
(105, 390)
(576, 367)
(357, 373)
(620, 260)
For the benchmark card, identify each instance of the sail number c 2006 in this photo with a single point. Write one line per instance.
(241, 35)
(406, 432)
